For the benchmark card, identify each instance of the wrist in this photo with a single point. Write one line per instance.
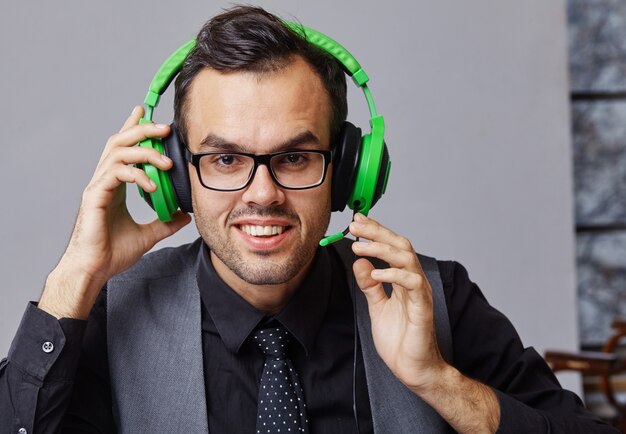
(69, 293)
(436, 379)
(467, 405)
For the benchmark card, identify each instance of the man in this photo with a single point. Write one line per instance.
(178, 341)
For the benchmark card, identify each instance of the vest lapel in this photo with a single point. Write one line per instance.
(395, 409)
(155, 351)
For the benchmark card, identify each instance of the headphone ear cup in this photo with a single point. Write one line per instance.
(163, 199)
(383, 175)
(174, 148)
(345, 161)
(144, 194)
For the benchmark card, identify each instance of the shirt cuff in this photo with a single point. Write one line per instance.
(518, 418)
(46, 348)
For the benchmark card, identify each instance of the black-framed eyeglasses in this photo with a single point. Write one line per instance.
(232, 171)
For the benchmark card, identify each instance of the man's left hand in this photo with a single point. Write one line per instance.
(403, 323)
(404, 331)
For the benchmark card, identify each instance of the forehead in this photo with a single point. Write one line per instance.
(258, 110)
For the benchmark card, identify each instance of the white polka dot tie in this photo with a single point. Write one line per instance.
(281, 399)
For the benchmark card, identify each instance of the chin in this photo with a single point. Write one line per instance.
(266, 273)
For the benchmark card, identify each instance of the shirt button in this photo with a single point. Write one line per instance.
(22, 431)
(47, 347)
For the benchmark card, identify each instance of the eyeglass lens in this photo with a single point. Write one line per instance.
(292, 169)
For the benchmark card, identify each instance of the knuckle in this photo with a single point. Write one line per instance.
(138, 173)
(112, 140)
(392, 273)
(155, 155)
(417, 280)
(113, 155)
(130, 173)
(405, 244)
(87, 191)
(145, 129)
(375, 226)
(117, 156)
(391, 250)
(408, 256)
(124, 155)
(90, 190)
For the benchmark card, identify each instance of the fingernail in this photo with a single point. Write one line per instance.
(134, 110)
(152, 184)
(165, 158)
(358, 244)
(161, 126)
(358, 225)
(360, 217)
(377, 273)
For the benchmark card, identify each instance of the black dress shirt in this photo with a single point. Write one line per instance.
(56, 373)
(319, 317)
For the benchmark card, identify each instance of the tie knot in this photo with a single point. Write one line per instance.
(272, 341)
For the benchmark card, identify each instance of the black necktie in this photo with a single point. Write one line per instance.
(281, 407)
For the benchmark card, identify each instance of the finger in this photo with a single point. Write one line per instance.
(136, 134)
(157, 230)
(370, 229)
(134, 118)
(390, 254)
(136, 155)
(372, 289)
(117, 175)
(417, 286)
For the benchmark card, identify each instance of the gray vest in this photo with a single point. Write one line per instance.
(155, 350)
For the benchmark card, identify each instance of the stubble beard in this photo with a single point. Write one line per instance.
(262, 270)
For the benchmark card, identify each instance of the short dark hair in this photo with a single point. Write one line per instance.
(248, 38)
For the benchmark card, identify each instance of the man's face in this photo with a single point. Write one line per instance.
(259, 114)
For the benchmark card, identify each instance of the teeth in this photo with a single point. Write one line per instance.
(262, 231)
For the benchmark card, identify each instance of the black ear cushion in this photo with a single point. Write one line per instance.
(345, 160)
(382, 175)
(146, 196)
(174, 148)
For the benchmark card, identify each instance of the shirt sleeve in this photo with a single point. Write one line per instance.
(487, 348)
(90, 404)
(38, 371)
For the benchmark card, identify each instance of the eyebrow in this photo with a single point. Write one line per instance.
(213, 141)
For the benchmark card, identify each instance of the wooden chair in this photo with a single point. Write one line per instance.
(605, 364)
(611, 347)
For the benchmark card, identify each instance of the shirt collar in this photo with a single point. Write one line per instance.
(235, 318)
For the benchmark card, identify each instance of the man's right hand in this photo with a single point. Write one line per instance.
(106, 240)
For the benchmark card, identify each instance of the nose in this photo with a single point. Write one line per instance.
(262, 190)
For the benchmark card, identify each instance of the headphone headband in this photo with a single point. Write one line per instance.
(164, 76)
(173, 64)
(332, 47)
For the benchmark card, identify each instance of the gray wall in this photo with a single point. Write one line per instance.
(474, 95)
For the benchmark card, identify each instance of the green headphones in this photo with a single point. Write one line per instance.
(361, 164)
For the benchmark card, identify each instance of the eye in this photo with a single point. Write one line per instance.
(225, 163)
(294, 158)
(227, 160)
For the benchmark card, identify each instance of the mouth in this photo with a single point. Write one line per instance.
(262, 231)
(265, 237)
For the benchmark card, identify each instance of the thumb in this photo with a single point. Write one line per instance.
(158, 230)
(372, 289)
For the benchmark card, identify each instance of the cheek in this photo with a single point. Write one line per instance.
(210, 205)
(314, 207)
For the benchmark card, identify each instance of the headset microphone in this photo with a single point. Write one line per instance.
(339, 235)
(334, 237)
